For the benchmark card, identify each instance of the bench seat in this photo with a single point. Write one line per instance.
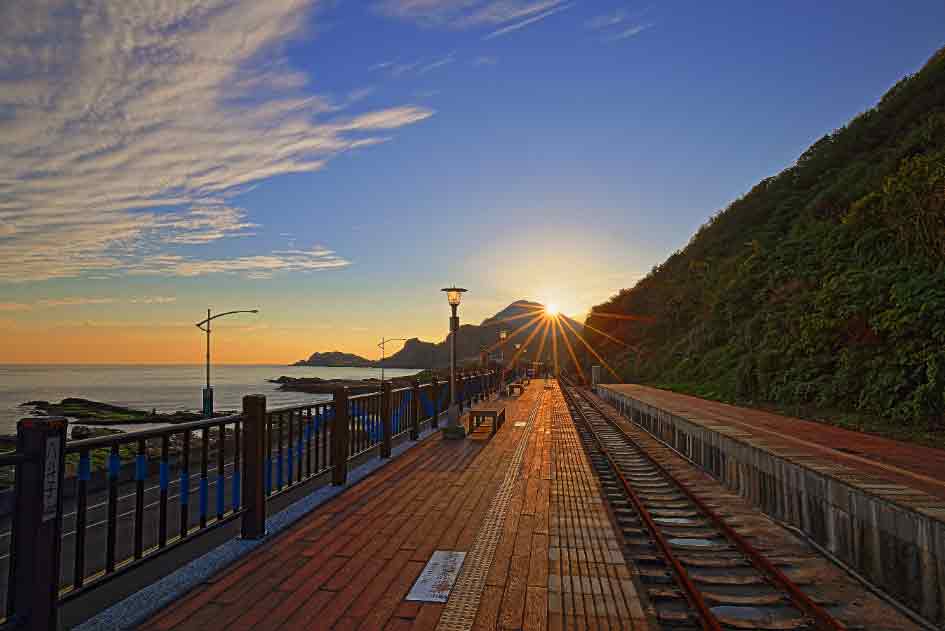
(493, 412)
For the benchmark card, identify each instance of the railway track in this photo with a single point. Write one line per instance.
(697, 570)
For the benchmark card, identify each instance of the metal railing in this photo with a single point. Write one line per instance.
(89, 510)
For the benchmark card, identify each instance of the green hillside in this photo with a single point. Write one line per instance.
(822, 290)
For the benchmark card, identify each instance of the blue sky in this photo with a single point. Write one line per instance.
(335, 163)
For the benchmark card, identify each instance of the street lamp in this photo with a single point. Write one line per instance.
(204, 325)
(454, 296)
(503, 335)
(382, 346)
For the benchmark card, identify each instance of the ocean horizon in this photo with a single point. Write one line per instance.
(163, 387)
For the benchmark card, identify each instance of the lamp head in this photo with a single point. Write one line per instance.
(454, 295)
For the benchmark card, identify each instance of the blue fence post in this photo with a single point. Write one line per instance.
(37, 523)
(254, 466)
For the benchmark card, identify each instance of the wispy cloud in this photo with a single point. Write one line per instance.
(256, 267)
(153, 300)
(485, 60)
(439, 63)
(81, 301)
(397, 68)
(510, 15)
(610, 19)
(629, 32)
(15, 306)
(522, 24)
(618, 25)
(129, 127)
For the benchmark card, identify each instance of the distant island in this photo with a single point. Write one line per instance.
(337, 359)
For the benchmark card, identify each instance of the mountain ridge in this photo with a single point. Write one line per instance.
(520, 318)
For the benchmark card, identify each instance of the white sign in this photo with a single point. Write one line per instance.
(51, 478)
(437, 578)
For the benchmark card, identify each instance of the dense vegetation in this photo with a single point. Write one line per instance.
(822, 289)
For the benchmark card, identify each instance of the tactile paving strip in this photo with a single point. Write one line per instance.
(461, 609)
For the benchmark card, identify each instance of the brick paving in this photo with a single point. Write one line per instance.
(350, 563)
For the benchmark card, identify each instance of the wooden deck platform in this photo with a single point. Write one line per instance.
(525, 506)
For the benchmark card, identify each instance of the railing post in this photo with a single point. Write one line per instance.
(387, 428)
(339, 438)
(435, 398)
(254, 467)
(415, 417)
(37, 523)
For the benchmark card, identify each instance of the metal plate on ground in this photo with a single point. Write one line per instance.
(520, 424)
(437, 578)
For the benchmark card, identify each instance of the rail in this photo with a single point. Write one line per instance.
(88, 511)
(822, 619)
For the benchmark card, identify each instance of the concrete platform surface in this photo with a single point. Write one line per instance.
(881, 459)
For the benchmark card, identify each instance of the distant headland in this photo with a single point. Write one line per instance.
(337, 359)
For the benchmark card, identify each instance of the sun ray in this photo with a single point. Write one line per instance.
(514, 333)
(530, 312)
(554, 342)
(525, 344)
(574, 358)
(611, 337)
(621, 316)
(594, 352)
(544, 340)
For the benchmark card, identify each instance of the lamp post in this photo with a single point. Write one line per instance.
(454, 296)
(503, 335)
(382, 345)
(204, 325)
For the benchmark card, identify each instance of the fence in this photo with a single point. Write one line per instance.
(89, 510)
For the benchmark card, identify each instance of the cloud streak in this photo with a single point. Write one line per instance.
(617, 26)
(81, 301)
(131, 127)
(509, 15)
(527, 22)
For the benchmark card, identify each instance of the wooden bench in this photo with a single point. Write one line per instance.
(516, 385)
(494, 412)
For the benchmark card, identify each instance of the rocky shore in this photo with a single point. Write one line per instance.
(315, 385)
(86, 412)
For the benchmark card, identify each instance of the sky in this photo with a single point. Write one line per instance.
(334, 163)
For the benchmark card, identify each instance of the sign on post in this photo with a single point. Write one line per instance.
(51, 477)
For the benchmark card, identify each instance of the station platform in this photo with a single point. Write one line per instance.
(524, 506)
(873, 461)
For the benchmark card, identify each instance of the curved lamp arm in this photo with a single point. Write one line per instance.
(206, 321)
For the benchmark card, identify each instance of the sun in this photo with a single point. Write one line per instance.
(551, 309)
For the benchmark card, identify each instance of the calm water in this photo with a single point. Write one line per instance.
(166, 388)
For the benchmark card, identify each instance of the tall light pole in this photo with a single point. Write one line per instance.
(382, 345)
(454, 296)
(204, 325)
(503, 335)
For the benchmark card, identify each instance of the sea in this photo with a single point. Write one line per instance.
(161, 387)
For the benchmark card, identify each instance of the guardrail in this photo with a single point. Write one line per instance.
(139, 494)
